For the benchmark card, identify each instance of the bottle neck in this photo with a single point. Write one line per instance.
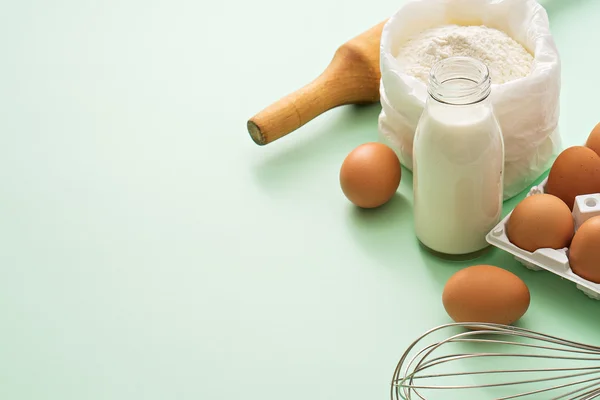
(459, 81)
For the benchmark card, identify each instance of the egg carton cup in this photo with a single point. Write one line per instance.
(552, 260)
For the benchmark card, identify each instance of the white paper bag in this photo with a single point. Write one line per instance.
(527, 109)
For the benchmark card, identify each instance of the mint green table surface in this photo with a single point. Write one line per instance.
(150, 250)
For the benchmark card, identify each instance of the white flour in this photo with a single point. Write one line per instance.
(506, 59)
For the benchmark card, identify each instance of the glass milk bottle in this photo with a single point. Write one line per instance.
(458, 165)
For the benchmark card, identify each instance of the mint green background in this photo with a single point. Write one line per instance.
(150, 250)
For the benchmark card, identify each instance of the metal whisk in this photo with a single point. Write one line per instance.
(496, 362)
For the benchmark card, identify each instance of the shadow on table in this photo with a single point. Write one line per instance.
(441, 269)
(552, 296)
(380, 231)
(298, 154)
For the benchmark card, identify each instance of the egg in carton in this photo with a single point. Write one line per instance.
(552, 260)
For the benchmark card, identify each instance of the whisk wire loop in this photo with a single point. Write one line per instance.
(413, 374)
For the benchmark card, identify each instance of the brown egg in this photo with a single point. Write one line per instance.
(485, 293)
(540, 221)
(593, 141)
(575, 171)
(370, 175)
(584, 254)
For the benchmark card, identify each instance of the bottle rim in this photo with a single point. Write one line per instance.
(459, 80)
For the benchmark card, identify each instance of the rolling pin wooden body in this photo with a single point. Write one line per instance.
(352, 77)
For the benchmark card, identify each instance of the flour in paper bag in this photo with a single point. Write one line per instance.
(506, 59)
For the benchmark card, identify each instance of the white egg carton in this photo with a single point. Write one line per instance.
(555, 261)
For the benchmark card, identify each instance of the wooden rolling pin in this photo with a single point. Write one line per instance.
(352, 77)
